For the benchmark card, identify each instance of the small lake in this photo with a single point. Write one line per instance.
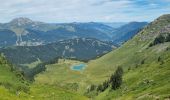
(78, 67)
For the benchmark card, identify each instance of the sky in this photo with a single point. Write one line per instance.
(63, 11)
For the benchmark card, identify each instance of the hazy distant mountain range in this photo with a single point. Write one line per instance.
(25, 32)
(115, 24)
(127, 31)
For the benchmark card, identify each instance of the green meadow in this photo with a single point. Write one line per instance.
(146, 73)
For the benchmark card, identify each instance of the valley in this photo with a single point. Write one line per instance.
(85, 61)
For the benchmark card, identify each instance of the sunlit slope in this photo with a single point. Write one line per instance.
(148, 81)
(11, 79)
(41, 92)
(60, 74)
(12, 82)
(52, 92)
(14, 86)
(132, 53)
(59, 78)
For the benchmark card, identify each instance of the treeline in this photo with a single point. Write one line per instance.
(161, 39)
(29, 54)
(30, 73)
(114, 82)
(84, 60)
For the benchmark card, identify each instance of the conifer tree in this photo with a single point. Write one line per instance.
(116, 79)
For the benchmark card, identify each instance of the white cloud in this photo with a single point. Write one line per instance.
(80, 10)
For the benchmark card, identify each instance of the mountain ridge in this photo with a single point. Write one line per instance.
(34, 33)
(127, 31)
(71, 48)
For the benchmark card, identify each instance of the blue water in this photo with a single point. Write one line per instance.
(78, 67)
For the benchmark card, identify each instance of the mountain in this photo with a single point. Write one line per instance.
(30, 32)
(127, 31)
(7, 37)
(115, 24)
(25, 32)
(71, 48)
(145, 60)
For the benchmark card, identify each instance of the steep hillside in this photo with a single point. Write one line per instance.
(127, 31)
(10, 78)
(146, 67)
(148, 81)
(133, 47)
(73, 48)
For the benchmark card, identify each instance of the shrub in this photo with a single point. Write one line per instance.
(100, 88)
(168, 38)
(142, 62)
(92, 87)
(160, 39)
(159, 59)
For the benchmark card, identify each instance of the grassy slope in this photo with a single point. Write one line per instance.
(10, 85)
(135, 84)
(61, 75)
(60, 81)
(33, 64)
(10, 82)
(41, 92)
(134, 80)
(10, 79)
(131, 55)
(52, 92)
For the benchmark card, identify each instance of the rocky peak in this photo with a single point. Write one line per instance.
(155, 28)
(21, 21)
